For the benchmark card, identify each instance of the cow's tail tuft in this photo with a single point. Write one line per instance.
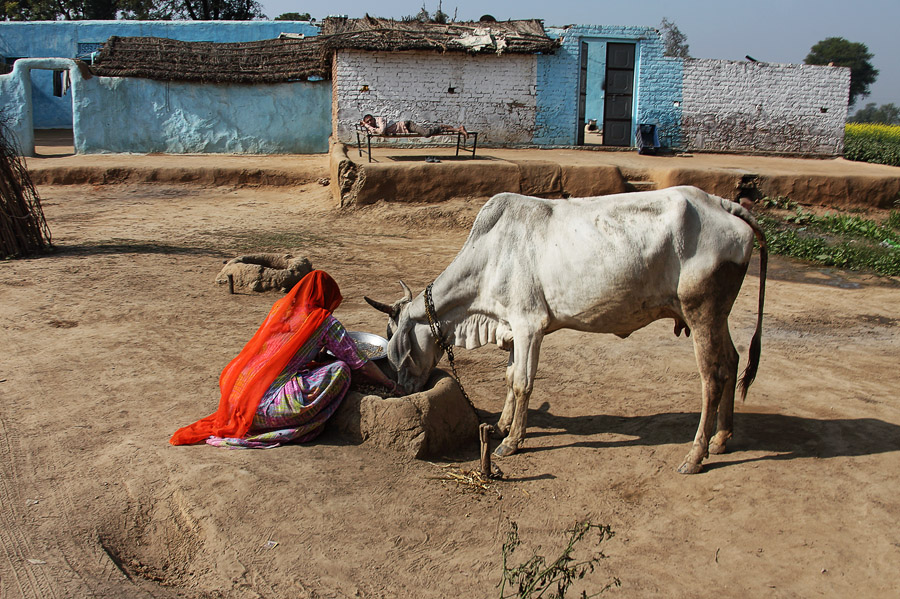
(749, 373)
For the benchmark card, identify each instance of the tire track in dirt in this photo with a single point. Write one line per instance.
(27, 577)
(91, 568)
(69, 562)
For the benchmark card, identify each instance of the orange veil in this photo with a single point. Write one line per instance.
(290, 323)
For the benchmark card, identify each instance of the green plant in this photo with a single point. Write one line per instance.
(893, 220)
(780, 202)
(535, 576)
(827, 241)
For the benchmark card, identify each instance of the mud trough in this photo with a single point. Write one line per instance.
(264, 272)
(434, 422)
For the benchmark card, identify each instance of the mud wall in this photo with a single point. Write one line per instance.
(494, 95)
(763, 107)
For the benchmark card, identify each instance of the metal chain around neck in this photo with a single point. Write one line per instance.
(431, 313)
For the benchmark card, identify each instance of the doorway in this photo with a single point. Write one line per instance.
(606, 93)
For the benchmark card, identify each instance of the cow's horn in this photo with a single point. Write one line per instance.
(407, 291)
(379, 306)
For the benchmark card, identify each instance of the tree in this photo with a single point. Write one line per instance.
(423, 16)
(886, 114)
(675, 42)
(293, 16)
(839, 52)
(30, 10)
(223, 10)
(75, 10)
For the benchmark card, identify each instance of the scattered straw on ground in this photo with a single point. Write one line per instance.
(472, 480)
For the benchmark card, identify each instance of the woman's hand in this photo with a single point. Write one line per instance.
(374, 372)
(396, 389)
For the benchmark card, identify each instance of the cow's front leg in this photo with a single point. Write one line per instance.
(520, 381)
(509, 407)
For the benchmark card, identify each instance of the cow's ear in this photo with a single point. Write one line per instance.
(399, 349)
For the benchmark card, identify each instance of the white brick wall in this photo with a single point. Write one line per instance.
(494, 95)
(758, 106)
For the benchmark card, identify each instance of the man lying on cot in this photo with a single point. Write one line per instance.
(380, 126)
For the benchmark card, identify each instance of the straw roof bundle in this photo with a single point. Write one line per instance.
(23, 228)
(373, 33)
(265, 61)
(291, 59)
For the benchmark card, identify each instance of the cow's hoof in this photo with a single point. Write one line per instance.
(717, 449)
(689, 468)
(504, 450)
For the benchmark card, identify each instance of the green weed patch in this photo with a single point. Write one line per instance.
(850, 242)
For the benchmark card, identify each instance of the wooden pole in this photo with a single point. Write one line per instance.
(231, 284)
(484, 434)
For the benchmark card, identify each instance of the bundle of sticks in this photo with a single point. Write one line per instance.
(23, 228)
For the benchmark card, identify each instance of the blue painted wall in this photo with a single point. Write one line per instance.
(657, 88)
(16, 93)
(117, 114)
(74, 39)
(595, 96)
(284, 118)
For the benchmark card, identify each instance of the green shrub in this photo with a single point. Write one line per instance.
(536, 576)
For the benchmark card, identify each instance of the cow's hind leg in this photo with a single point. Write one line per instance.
(520, 382)
(725, 426)
(709, 348)
(706, 312)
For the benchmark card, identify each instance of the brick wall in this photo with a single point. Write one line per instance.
(764, 107)
(494, 95)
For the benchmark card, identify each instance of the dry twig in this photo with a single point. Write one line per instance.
(23, 229)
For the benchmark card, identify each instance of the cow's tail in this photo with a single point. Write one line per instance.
(749, 373)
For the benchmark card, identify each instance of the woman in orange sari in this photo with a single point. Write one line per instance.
(274, 392)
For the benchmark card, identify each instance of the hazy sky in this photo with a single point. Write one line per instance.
(767, 30)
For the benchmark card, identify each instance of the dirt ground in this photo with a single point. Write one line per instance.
(118, 339)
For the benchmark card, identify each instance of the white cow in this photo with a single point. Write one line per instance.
(609, 264)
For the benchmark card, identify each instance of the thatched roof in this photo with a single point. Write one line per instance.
(371, 33)
(265, 61)
(291, 59)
